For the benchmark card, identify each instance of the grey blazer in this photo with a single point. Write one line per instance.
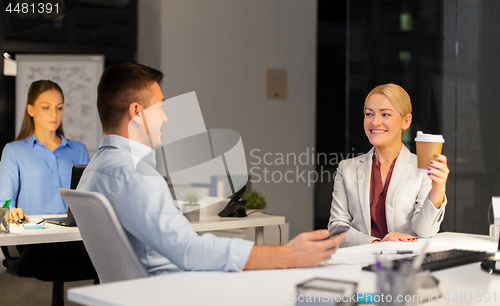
(407, 207)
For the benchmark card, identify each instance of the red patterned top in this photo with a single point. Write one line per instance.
(378, 194)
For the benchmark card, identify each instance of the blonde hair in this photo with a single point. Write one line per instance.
(36, 89)
(396, 94)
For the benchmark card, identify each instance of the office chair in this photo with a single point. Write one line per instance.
(104, 237)
(52, 262)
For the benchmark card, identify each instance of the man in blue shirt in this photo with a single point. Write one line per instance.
(161, 236)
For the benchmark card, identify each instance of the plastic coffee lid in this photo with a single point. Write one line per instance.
(428, 137)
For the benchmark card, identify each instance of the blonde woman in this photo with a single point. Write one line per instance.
(381, 195)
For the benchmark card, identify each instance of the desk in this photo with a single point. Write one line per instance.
(257, 220)
(275, 287)
(55, 233)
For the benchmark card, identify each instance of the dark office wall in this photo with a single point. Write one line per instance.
(330, 97)
(467, 102)
(477, 144)
(446, 57)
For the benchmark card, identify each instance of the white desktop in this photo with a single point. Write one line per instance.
(464, 285)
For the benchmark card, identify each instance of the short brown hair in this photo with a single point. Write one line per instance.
(36, 89)
(121, 85)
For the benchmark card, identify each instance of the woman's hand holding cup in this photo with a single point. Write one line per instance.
(438, 172)
(433, 163)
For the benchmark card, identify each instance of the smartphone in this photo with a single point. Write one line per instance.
(339, 229)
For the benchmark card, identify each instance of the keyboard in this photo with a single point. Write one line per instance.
(444, 259)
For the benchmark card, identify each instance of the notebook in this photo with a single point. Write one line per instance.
(76, 174)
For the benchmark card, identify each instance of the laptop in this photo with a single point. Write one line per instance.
(76, 174)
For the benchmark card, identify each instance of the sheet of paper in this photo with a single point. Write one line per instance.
(363, 254)
(360, 256)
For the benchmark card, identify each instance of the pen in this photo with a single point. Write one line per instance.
(392, 252)
(6, 203)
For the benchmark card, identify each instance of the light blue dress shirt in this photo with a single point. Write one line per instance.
(31, 174)
(124, 171)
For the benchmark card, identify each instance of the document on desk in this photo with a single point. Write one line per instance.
(366, 254)
(351, 256)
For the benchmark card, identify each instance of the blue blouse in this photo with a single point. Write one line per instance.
(31, 174)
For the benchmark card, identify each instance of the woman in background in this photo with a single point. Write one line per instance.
(381, 195)
(33, 168)
(38, 162)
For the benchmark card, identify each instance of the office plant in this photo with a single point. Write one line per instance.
(255, 200)
(191, 208)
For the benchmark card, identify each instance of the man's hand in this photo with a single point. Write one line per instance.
(306, 250)
(311, 248)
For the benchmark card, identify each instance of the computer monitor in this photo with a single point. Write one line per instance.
(76, 174)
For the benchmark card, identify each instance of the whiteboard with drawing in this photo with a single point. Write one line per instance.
(78, 76)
